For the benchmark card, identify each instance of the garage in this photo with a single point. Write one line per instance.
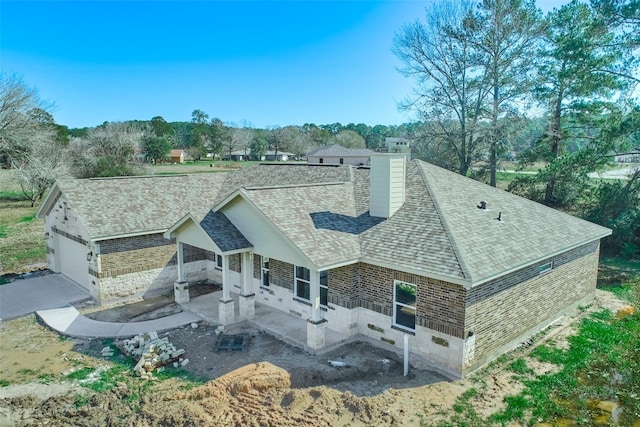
(71, 258)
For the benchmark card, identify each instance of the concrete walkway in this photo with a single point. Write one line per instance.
(68, 321)
(25, 296)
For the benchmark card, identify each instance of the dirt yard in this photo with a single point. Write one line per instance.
(271, 383)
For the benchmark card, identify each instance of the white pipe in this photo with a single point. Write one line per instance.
(406, 354)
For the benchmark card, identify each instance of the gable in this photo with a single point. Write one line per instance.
(264, 236)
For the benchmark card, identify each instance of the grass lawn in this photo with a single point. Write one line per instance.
(594, 375)
(22, 245)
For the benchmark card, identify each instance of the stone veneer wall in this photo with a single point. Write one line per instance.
(502, 312)
(144, 265)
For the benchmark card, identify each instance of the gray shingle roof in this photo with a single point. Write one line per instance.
(528, 231)
(132, 205)
(324, 211)
(336, 150)
(223, 233)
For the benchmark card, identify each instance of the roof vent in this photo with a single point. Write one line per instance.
(482, 205)
(499, 218)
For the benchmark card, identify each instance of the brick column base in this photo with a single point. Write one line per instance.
(181, 291)
(316, 333)
(247, 306)
(225, 311)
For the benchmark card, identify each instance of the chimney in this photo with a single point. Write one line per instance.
(387, 178)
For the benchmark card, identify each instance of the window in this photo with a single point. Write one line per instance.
(341, 161)
(321, 160)
(219, 262)
(324, 288)
(303, 283)
(546, 267)
(265, 271)
(404, 305)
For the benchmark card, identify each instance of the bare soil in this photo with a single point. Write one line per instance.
(271, 383)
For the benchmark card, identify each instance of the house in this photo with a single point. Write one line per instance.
(399, 145)
(176, 156)
(280, 156)
(337, 155)
(398, 250)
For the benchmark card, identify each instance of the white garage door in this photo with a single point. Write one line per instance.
(72, 258)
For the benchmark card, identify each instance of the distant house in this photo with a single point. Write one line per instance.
(176, 156)
(337, 155)
(398, 250)
(399, 145)
(632, 157)
(236, 156)
(281, 156)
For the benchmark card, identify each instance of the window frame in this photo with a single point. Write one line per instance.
(324, 288)
(263, 269)
(218, 261)
(402, 306)
(301, 281)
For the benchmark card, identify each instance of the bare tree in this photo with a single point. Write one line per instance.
(38, 168)
(241, 139)
(506, 34)
(112, 149)
(439, 55)
(17, 126)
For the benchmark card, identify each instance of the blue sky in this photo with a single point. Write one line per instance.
(269, 63)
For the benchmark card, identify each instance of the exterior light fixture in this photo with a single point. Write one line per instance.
(89, 256)
(46, 235)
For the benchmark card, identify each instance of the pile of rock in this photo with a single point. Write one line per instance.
(154, 353)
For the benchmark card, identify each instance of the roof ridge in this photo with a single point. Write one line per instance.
(274, 187)
(447, 228)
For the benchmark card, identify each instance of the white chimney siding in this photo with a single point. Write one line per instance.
(387, 183)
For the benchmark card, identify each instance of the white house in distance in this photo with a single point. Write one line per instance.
(399, 249)
(337, 155)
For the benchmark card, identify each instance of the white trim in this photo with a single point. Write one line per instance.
(397, 303)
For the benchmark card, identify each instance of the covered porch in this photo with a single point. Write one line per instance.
(216, 234)
(286, 327)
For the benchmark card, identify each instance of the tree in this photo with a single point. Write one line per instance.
(200, 134)
(240, 139)
(161, 127)
(220, 137)
(20, 112)
(449, 90)
(155, 147)
(505, 36)
(41, 166)
(579, 80)
(259, 145)
(349, 139)
(111, 150)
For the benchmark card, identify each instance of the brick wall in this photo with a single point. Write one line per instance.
(344, 286)
(281, 273)
(376, 288)
(503, 310)
(257, 265)
(235, 263)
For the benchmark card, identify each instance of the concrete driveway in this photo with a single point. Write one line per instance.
(25, 296)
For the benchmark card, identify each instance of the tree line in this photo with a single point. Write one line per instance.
(493, 73)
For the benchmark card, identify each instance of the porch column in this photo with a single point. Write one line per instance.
(180, 259)
(315, 324)
(226, 304)
(181, 287)
(247, 297)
